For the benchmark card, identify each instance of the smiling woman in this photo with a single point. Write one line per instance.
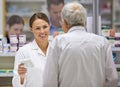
(35, 52)
(39, 25)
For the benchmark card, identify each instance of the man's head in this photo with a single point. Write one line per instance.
(73, 14)
(54, 8)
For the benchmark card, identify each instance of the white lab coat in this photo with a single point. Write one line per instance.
(34, 74)
(80, 59)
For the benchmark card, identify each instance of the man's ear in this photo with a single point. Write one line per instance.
(65, 25)
(65, 22)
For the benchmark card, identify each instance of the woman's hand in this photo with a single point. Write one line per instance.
(22, 71)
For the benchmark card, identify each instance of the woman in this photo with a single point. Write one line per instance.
(15, 25)
(35, 54)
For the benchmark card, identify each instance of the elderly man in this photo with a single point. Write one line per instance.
(78, 58)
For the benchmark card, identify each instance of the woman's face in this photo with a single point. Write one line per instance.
(40, 29)
(16, 29)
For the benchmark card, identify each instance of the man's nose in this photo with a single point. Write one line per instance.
(58, 14)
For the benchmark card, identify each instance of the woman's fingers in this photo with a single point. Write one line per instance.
(21, 69)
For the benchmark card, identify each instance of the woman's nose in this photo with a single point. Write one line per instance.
(42, 31)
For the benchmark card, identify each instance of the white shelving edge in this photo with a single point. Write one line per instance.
(86, 3)
(7, 54)
(117, 65)
(115, 48)
(106, 22)
(25, 0)
(116, 24)
(28, 14)
(6, 75)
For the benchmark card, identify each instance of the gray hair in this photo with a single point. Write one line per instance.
(74, 14)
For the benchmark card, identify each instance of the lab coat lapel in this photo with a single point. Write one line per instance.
(36, 48)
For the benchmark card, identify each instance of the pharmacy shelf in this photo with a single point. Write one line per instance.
(115, 48)
(116, 24)
(7, 54)
(6, 75)
(106, 22)
(27, 14)
(117, 65)
(118, 84)
(106, 12)
(25, 0)
(86, 3)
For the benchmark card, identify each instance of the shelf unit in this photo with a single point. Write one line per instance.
(6, 75)
(25, 0)
(9, 54)
(106, 12)
(116, 15)
(2, 21)
(6, 69)
(24, 7)
(117, 66)
(117, 61)
(115, 48)
(86, 3)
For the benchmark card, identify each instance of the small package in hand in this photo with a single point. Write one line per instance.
(27, 63)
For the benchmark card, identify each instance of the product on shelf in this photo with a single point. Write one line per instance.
(105, 31)
(117, 39)
(1, 48)
(17, 41)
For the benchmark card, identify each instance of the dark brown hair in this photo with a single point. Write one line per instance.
(39, 15)
(15, 19)
(55, 2)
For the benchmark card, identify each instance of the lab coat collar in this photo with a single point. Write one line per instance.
(35, 47)
(78, 28)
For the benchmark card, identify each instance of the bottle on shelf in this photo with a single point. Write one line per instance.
(1, 45)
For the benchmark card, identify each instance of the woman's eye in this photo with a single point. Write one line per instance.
(37, 29)
(44, 27)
